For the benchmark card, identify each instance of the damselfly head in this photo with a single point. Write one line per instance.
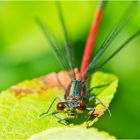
(72, 108)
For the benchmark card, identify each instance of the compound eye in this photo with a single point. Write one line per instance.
(81, 106)
(60, 106)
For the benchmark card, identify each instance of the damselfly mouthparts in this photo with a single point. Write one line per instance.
(77, 95)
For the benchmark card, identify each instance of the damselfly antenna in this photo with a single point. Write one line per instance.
(117, 29)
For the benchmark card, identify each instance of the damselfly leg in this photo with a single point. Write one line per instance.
(95, 97)
(63, 121)
(56, 98)
(92, 116)
(94, 87)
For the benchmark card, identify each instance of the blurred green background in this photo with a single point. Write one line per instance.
(24, 53)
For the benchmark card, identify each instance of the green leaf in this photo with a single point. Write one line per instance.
(21, 105)
(76, 133)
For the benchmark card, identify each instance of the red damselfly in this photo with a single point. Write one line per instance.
(77, 94)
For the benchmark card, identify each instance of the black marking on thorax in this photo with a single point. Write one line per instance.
(75, 88)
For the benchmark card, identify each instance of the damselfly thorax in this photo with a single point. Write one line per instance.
(76, 89)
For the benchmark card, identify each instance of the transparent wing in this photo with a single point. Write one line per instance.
(63, 54)
(54, 44)
(66, 40)
(118, 50)
(106, 44)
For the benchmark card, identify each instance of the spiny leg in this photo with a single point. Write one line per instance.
(99, 86)
(87, 95)
(109, 112)
(94, 87)
(56, 98)
(92, 116)
(95, 97)
(63, 121)
(91, 108)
